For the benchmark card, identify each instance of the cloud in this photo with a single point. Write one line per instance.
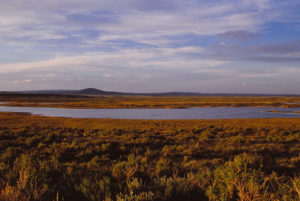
(276, 52)
(278, 48)
(152, 58)
(238, 35)
(22, 81)
(141, 41)
(119, 24)
(129, 17)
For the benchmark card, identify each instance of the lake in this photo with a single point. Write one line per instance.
(186, 113)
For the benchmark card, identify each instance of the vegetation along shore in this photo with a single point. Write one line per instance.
(72, 101)
(46, 158)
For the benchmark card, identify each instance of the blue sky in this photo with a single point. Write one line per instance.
(230, 46)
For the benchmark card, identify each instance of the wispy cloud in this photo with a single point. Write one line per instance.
(275, 52)
(129, 18)
(157, 58)
(238, 35)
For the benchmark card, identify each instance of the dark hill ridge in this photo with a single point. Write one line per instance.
(94, 91)
(90, 91)
(98, 92)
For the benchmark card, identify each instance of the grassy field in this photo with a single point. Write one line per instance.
(63, 101)
(44, 158)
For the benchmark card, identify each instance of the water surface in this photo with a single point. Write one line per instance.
(187, 113)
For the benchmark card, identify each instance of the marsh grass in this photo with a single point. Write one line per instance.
(147, 101)
(44, 158)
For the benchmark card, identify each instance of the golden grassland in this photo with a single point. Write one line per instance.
(47, 158)
(146, 101)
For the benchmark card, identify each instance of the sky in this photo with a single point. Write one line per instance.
(212, 46)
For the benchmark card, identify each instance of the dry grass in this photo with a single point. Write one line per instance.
(48, 158)
(148, 102)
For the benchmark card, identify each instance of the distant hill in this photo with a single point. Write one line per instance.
(93, 91)
(98, 92)
(90, 91)
(39, 92)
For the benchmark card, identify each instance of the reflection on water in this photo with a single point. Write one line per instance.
(187, 113)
